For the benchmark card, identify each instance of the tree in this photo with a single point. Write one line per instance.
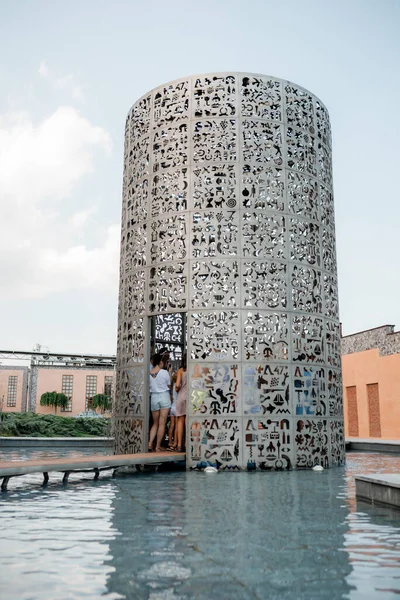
(101, 401)
(54, 399)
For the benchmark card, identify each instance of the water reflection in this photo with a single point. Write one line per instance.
(54, 540)
(284, 534)
(372, 540)
(54, 543)
(149, 511)
(229, 536)
(185, 535)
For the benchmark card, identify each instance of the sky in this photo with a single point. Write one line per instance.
(70, 71)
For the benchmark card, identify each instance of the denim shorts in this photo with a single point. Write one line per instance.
(160, 400)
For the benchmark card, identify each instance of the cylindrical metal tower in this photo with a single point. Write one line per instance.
(228, 224)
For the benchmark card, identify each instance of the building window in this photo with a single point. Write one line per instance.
(91, 390)
(66, 388)
(374, 413)
(12, 390)
(352, 410)
(108, 386)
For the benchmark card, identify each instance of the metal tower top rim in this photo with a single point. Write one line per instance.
(220, 73)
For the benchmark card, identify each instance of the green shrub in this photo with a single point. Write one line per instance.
(101, 401)
(33, 425)
(55, 399)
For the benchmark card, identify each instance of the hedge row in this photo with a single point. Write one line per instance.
(33, 425)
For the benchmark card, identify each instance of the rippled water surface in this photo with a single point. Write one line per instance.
(190, 535)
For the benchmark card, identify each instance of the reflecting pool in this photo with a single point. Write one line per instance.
(183, 535)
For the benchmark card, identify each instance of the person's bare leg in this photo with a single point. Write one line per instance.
(178, 432)
(153, 431)
(184, 432)
(180, 429)
(161, 427)
(172, 433)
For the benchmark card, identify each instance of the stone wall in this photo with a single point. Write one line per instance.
(384, 338)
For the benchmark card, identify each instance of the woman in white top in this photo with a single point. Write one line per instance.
(160, 401)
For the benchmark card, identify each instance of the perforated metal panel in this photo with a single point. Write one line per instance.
(228, 217)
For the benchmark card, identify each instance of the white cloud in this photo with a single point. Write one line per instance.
(46, 161)
(79, 220)
(43, 70)
(68, 83)
(41, 166)
(94, 267)
(65, 83)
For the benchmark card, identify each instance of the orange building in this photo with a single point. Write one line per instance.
(78, 377)
(79, 385)
(371, 383)
(13, 389)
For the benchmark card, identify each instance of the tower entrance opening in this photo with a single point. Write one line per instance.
(168, 336)
(168, 332)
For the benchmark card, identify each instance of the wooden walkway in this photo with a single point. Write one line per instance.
(84, 464)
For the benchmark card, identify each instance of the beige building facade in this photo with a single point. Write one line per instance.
(79, 385)
(79, 378)
(13, 389)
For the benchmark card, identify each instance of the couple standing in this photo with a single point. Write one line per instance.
(160, 384)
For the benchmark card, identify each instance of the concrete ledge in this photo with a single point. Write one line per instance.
(56, 442)
(373, 445)
(379, 489)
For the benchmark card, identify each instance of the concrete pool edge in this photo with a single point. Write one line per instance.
(379, 489)
(372, 445)
(56, 442)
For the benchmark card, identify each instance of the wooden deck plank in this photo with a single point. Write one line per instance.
(25, 467)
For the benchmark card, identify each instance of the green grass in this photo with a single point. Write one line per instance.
(32, 425)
